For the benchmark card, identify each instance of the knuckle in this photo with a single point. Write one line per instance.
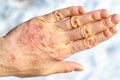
(36, 22)
(75, 48)
(74, 21)
(106, 22)
(95, 16)
(85, 31)
(58, 15)
(41, 18)
(75, 10)
(90, 42)
(106, 34)
(69, 67)
(103, 13)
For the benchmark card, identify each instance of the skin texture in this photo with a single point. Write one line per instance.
(39, 46)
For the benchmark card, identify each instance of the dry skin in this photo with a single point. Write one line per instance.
(38, 46)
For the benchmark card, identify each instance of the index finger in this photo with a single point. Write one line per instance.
(64, 13)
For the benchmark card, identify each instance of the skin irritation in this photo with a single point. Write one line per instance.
(39, 46)
(32, 40)
(40, 38)
(36, 33)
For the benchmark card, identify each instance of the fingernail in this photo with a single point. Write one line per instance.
(115, 19)
(79, 68)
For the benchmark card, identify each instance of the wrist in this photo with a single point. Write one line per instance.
(2, 48)
(5, 66)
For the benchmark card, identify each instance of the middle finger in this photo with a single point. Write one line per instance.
(92, 28)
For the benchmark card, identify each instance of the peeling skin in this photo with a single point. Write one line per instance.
(85, 31)
(89, 42)
(33, 32)
(36, 35)
(58, 15)
(74, 22)
(39, 46)
(34, 41)
(38, 39)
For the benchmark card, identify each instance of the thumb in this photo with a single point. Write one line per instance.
(67, 66)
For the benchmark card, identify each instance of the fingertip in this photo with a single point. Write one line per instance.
(79, 67)
(113, 29)
(81, 9)
(110, 32)
(104, 13)
(115, 18)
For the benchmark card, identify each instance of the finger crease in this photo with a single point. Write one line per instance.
(90, 42)
(85, 31)
(58, 15)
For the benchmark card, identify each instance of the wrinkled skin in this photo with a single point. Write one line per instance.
(38, 46)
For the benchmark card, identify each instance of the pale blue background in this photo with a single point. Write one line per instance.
(101, 62)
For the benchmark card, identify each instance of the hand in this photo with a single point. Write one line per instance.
(38, 46)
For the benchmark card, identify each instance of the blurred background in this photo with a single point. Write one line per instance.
(101, 62)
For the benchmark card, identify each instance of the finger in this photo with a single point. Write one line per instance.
(92, 28)
(66, 66)
(64, 13)
(91, 41)
(77, 21)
